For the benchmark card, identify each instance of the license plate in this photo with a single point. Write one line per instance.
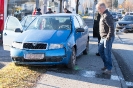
(34, 56)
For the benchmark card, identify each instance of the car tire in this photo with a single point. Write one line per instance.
(125, 31)
(85, 52)
(72, 61)
(16, 64)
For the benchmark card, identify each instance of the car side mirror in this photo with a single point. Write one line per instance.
(18, 30)
(80, 30)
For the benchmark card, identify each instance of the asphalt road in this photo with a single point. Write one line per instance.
(123, 51)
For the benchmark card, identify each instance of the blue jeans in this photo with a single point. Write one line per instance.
(105, 47)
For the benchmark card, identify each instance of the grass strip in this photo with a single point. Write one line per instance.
(12, 76)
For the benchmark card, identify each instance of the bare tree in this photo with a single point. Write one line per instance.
(128, 5)
(60, 6)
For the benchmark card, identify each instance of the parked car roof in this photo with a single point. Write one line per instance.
(129, 13)
(60, 14)
(127, 18)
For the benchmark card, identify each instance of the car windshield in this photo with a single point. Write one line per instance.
(127, 18)
(113, 13)
(51, 23)
(119, 13)
(27, 20)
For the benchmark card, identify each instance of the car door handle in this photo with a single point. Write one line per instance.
(5, 34)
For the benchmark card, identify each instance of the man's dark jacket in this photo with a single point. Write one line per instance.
(106, 25)
(38, 13)
(49, 12)
(96, 26)
(68, 11)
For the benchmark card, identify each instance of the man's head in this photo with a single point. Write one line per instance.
(49, 9)
(39, 9)
(101, 7)
(65, 10)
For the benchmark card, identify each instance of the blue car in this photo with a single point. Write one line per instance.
(50, 39)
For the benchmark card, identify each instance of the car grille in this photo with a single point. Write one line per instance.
(122, 24)
(34, 46)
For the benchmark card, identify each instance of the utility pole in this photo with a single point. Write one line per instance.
(77, 5)
(60, 6)
(94, 6)
(45, 6)
(37, 3)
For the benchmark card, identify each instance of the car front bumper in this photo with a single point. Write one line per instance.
(51, 57)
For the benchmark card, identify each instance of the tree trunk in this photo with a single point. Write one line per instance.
(77, 5)
(45, 6)
(60, 6)
(37, 3)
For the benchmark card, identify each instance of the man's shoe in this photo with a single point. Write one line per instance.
(97, 54)
(103, 69)
(107, 72)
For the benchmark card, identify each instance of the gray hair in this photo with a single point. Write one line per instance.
(101, 4)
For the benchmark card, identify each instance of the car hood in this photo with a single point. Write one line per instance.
(125, 22)
(54, 36)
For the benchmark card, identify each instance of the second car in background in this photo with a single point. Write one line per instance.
(125, 24)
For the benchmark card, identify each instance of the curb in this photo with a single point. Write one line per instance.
(119, 73)
(118, 70)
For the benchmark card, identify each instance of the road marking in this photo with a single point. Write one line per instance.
(120, 39)
(129, 84)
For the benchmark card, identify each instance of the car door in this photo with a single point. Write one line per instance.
(78, 36)
(9, 33)
(84, 34)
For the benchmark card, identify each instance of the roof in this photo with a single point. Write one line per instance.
(60, 14)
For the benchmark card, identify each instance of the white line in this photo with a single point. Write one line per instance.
(129, 84)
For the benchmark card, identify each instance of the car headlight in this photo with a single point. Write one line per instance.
(131, 25)
(55, 46)
(17, 45)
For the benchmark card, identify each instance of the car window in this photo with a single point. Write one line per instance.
(127, 18)
(131, 13)
(23, 20)
(27, 20)
(12, 21)
(113, 13)
(119, 13)
(51, 23)
(82, 24)
(76, 23)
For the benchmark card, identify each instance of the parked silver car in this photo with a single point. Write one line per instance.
(125, 24)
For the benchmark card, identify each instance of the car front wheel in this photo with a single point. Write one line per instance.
(72, 60)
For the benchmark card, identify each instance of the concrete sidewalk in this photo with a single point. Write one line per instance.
(87, 73)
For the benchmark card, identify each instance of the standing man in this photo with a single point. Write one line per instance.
(106, 26)
(67, 11)
(38, 12)
(96, 29)
(49, 11)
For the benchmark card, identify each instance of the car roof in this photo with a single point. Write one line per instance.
(60, 14)
(129, 12)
